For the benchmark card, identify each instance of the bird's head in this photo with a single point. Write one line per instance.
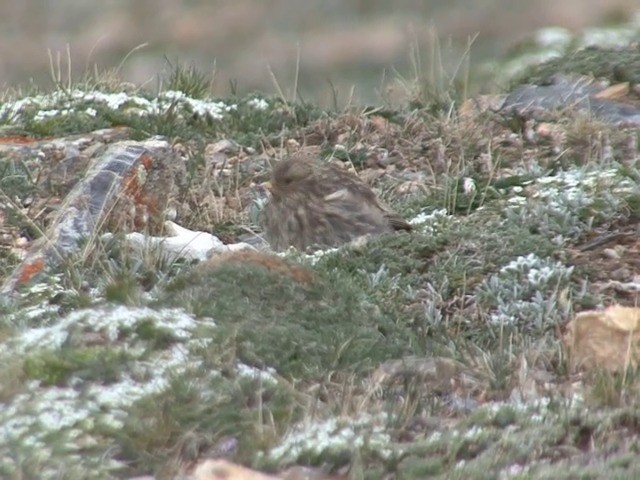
(289, 175)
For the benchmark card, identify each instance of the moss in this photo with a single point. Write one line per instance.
(616, 65)
(66, 124)
(401, 254)
(458, 256)
(104, 364)
(222, 406)
(479, 450)
(300, 329)
(326, 326)
(161, 338)
(244, 120)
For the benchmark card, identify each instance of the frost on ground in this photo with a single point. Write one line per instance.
(334, 435)
(53, 419)
(528, 290)
(486, 278)
(566, 204)
(63, 103)
(70, 412)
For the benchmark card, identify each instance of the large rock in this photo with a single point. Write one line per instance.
(127, 187)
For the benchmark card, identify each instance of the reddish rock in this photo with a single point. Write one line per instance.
(126, 188)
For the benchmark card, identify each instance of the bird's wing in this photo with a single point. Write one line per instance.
(366, 206)
(357, 192)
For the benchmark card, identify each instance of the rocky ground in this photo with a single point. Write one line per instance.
(438, 353)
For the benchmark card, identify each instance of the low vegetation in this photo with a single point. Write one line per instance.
(119, 365)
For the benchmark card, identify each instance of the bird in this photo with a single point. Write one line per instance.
(315, 204)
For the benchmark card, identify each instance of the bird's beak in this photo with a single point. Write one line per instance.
(267, 185)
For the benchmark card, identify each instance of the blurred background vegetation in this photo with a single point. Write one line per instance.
(328, 50)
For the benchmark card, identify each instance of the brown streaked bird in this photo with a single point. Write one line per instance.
(319, 204)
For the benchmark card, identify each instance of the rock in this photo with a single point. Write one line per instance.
(181, 243)
(225, 470)
(573, 92)
(609, 339)
(268, 261)
(128, 185)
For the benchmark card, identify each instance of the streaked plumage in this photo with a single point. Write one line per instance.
(314, 203)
